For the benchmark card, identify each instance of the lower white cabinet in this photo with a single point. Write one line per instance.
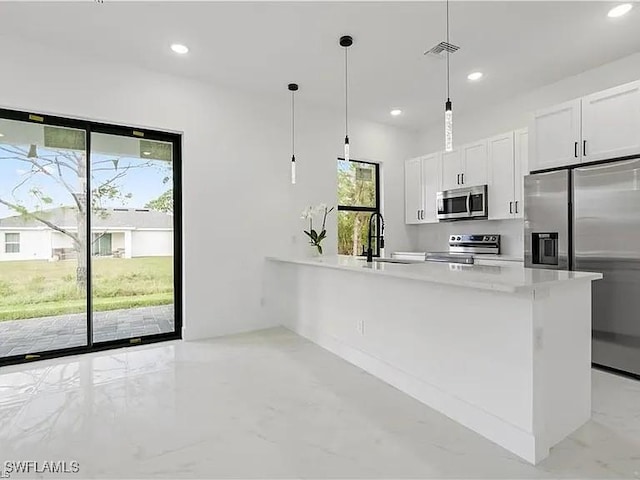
(421, 184)
(507, 167)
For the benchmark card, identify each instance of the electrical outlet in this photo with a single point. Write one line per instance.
(361, 327)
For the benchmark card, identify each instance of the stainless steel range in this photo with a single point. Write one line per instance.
(463, 247)
(478, 243)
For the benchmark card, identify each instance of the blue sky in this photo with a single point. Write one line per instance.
(144, 183)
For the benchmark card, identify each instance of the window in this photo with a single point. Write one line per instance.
(12, 243)
(358, 199)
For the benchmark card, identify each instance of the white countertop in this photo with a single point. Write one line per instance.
(510, 279)
(506, 258)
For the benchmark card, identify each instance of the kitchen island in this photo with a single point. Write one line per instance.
(503, 350)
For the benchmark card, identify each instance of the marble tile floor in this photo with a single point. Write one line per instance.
(19, 337)
(270, 404)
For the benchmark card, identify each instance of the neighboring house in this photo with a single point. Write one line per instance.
(119, 232)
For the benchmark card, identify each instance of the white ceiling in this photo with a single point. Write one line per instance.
(263, 46)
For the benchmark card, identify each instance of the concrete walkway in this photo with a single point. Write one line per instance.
(19, 337)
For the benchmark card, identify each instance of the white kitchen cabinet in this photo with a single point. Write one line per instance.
(421, 184)
(430, 186)
(507, 167)
(451, 169)
(413, 196)
(601, 126)
(521, 168)
(611, 123)
(501, 191)
(474, 164)
(555, 136)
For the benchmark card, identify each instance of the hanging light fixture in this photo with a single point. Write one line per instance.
(293, 88)
(346, 41)
(33, 151)
(448, 113)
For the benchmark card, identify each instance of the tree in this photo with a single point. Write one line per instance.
(352, 226)
(67, 169)
(164, 203)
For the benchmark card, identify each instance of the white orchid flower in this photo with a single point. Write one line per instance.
(321, 208)
(307, 213)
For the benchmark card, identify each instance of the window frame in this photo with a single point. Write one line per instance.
(376, 209)
(7, 242)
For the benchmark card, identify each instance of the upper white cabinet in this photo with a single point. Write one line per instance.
(555, 136)
(421, 184)
(465, 166)
(521, 169)
(451, 169)
(507, 168)
(611, 123)
(601, 126)
(431, 167)
(474, 164)
(413, 199)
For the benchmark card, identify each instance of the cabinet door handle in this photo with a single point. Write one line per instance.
(575, 149)
(462, 177)
(421, 214)
(584, 148)
(510, 207)
(458, 179)
(516, 206)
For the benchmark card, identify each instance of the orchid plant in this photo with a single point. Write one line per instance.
(316, 238)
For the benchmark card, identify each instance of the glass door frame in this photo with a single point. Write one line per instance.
(139, 133)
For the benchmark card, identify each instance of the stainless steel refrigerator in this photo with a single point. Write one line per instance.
(588, 218)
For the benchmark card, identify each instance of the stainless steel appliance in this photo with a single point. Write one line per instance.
(478, 243)
(462, 203)
(588, 218)
(462, 248)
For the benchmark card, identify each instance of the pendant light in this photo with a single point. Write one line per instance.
(33, 151)
(346, 41)
(293, 88)
(448, 113)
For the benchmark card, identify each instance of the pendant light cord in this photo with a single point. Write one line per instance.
(293, 124)
(346, 92)
(448, 47)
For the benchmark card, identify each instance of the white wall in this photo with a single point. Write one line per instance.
(150, 243)
(508, 115)
(35, 244)
(238, 203)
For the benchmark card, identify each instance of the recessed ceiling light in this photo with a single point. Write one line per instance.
(1, 134)
(179, 48)
(146, 153)
(475, 76)
(396, 112)
(620, 10)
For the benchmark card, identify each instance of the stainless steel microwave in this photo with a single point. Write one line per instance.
(463, 203)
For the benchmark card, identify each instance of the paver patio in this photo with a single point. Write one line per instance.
(19, 337)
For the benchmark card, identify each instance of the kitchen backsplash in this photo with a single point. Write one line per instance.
(434, 237)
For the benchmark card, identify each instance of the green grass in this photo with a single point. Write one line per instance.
(30, 289)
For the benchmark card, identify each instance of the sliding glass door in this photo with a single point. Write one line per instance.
(89, 236)
(132, 220)
(43, 216)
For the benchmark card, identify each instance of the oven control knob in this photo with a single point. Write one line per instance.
(458, 238)
(486, 239)
(493, 239)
